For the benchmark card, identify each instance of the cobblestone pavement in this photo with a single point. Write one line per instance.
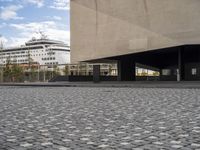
(99, 118)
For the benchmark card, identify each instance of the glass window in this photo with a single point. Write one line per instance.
(194, 71)
(166, 72)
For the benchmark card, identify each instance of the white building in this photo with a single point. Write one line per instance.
(44, 52)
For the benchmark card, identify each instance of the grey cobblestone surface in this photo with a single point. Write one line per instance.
(66, 118)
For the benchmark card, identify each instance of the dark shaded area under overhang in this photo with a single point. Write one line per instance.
(174, 63)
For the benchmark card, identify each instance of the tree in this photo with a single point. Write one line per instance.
(67, 70)
(13, 72)
(56, 71)
(17, 73)
(31, 67)
(8, 71)
(2, 65)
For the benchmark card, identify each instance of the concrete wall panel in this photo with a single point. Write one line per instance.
(104, 28)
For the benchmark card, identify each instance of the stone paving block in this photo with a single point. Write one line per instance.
(76, 118)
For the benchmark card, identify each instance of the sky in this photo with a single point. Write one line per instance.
(20, 20)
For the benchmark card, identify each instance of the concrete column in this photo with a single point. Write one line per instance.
(180, 72)
(126, 70)
(119, 71)
(160, 71)
(96, 73)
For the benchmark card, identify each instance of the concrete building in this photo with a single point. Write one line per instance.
(159, 34)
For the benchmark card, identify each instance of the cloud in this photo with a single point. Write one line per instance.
(3, 25)
(39, 3)
(10, 12)
(57, 18)
(60, 5)
(27, 31)
(6, 0)
(3, 39)
(34, 26)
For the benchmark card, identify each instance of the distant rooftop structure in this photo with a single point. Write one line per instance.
(34, 41)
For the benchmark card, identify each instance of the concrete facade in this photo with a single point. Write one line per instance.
(107, 28)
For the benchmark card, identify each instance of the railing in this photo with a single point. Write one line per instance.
(81, 78)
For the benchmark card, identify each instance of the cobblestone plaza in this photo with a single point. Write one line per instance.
(76, 118)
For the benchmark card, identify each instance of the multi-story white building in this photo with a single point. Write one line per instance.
(44, 52)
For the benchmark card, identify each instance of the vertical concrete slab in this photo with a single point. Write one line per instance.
(181, 70)
(107, 28)
(96, 73)
(126, 70)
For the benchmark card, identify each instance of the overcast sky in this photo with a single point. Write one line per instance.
(20, 20)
